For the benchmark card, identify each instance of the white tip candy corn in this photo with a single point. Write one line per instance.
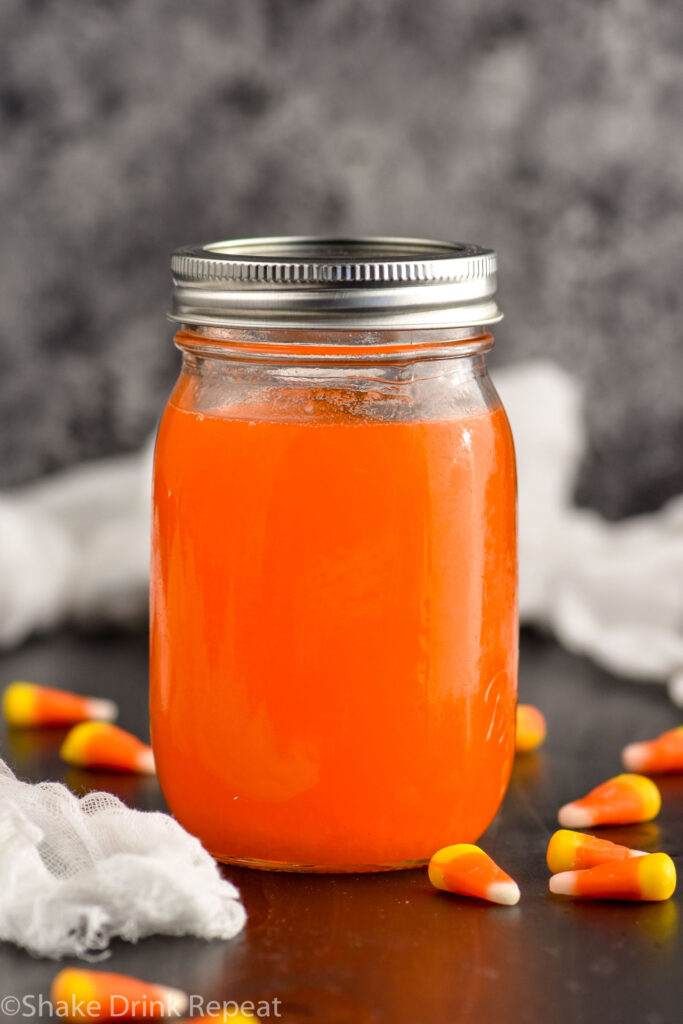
(569, 851)
(29, 706)
(659, 756)
(623, 800)
(651, 877)
(468, 871)
(84, 996)
(105, 747)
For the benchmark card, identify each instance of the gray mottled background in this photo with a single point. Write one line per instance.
(551, 131)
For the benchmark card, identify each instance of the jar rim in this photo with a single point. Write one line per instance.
(313, 282)
(326, 347)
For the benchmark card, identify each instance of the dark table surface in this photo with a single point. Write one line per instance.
(386, 948)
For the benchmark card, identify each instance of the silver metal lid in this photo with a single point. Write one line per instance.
(335, 283)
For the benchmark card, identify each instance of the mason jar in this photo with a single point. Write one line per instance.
(334, 575)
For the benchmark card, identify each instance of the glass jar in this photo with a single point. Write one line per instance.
(334, 577)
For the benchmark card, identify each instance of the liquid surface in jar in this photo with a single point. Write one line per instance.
(334, 632)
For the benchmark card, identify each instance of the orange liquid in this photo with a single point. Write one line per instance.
(334, 633)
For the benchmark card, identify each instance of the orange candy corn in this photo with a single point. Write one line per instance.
(569, 851)
(650, 877)
(663, 754)
(106, 747)
(468, 871)
(531, 728)
(27, 705)
(623, 800)
(79, 995)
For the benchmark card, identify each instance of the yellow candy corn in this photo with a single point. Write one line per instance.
(27, 705)
(650, 877)
(468, 871)
(663, 754)
(84, 996)
(575, 850)
(623, 800)
(106, 747)
(531, 728)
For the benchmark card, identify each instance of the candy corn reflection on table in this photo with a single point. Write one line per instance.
(27, 705)
(468, 871)
(623, 800)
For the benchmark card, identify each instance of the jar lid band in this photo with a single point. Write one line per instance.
(335, 283)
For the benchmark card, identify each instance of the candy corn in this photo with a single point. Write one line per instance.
(467, 870)
(650, 877)
(663, 754)
(103, 746)
(531, 728)
(623, 800)
(575, 850)
(27, 705)
(79, 995)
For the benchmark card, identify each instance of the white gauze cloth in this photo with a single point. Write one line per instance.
(611, 591)
(76, 873)
(75, 547)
